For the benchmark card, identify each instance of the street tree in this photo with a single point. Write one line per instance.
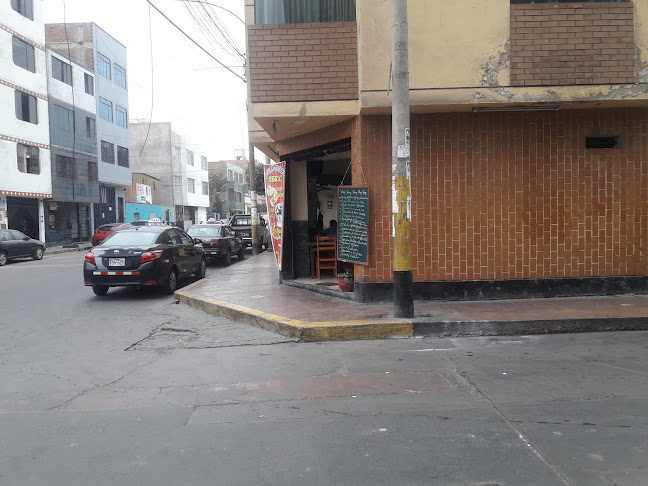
(217, 188)
(259, 185)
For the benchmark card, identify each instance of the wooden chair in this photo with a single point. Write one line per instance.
(325, 254)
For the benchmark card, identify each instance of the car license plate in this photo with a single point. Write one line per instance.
(116, 262)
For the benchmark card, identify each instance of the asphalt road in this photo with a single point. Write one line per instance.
(133, 389)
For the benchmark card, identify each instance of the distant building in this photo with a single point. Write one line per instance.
(92, 47)
(233, 196)
(184, 181)
(25, 174)
(73, 136)
(143, 199)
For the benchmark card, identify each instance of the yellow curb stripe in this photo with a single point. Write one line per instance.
(308, 331)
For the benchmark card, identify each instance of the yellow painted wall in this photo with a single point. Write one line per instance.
(451, 43)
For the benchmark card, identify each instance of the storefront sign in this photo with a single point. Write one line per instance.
(275, 178)
(144, 194)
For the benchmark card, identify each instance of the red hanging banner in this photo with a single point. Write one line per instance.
(275, 187)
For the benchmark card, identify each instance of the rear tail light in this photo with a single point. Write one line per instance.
(216, 243)
(147, 256)
(90, 258)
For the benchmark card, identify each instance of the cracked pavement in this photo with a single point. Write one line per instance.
(134, 389)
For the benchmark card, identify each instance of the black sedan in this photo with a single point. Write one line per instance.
(14, 244)
(219, 241)
(144, 255)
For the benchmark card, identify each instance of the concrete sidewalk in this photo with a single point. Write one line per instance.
(249, 291)
(56, 250)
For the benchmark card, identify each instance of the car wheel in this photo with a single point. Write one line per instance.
(227, 259)
(241, 253)
(3, 258)
(203, 269)
(38, 253)
(172, 283)
(100, 289)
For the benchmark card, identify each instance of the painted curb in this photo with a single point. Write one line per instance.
(401, 328)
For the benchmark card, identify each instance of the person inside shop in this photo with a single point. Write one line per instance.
(332, 229)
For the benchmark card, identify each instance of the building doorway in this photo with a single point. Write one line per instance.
(22, 214)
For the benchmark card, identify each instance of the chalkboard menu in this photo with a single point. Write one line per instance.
(353, 224)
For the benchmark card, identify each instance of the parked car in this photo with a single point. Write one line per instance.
(105, 230)
(144, 256)
(242, 226)
(14, 244)
(219, 241)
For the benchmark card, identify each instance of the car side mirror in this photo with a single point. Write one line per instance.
(26, 238)
(197, 240)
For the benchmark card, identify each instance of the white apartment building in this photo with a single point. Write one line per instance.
(25, 170)
(182, 171)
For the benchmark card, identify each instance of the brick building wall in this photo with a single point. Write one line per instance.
(571, 44)
(512, 195)
(303, 62)
(77, 39)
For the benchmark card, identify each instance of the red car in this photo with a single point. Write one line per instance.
(106, 230)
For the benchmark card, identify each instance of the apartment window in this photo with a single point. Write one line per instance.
(93, 172)
(103, 65)
(61, 70)
(190, 157)
(91, 127)
(120, 76)
(28, 160)
(122, 156)
(191, 186)
(24, 8)
(26, 107)
(66, 167)
(205, 189)
(176, 154)
(107, 152)
(105, 109)
(303, 11)
(230, 175)
(23, 55)
(89, 84)
(239, 197)
(63, 118)
(177, 183)
(121, 115)
(203, 162)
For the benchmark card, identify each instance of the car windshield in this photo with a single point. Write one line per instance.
(242, 221)
(131, 238)
(106, 227)
(200, 231)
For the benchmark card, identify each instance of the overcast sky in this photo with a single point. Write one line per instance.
(201, 100)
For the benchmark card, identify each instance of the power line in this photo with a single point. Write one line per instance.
(151, 116)
(194, 42)
(217, 6)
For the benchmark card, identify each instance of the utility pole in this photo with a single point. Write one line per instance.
(401, 190)
(256, 247)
